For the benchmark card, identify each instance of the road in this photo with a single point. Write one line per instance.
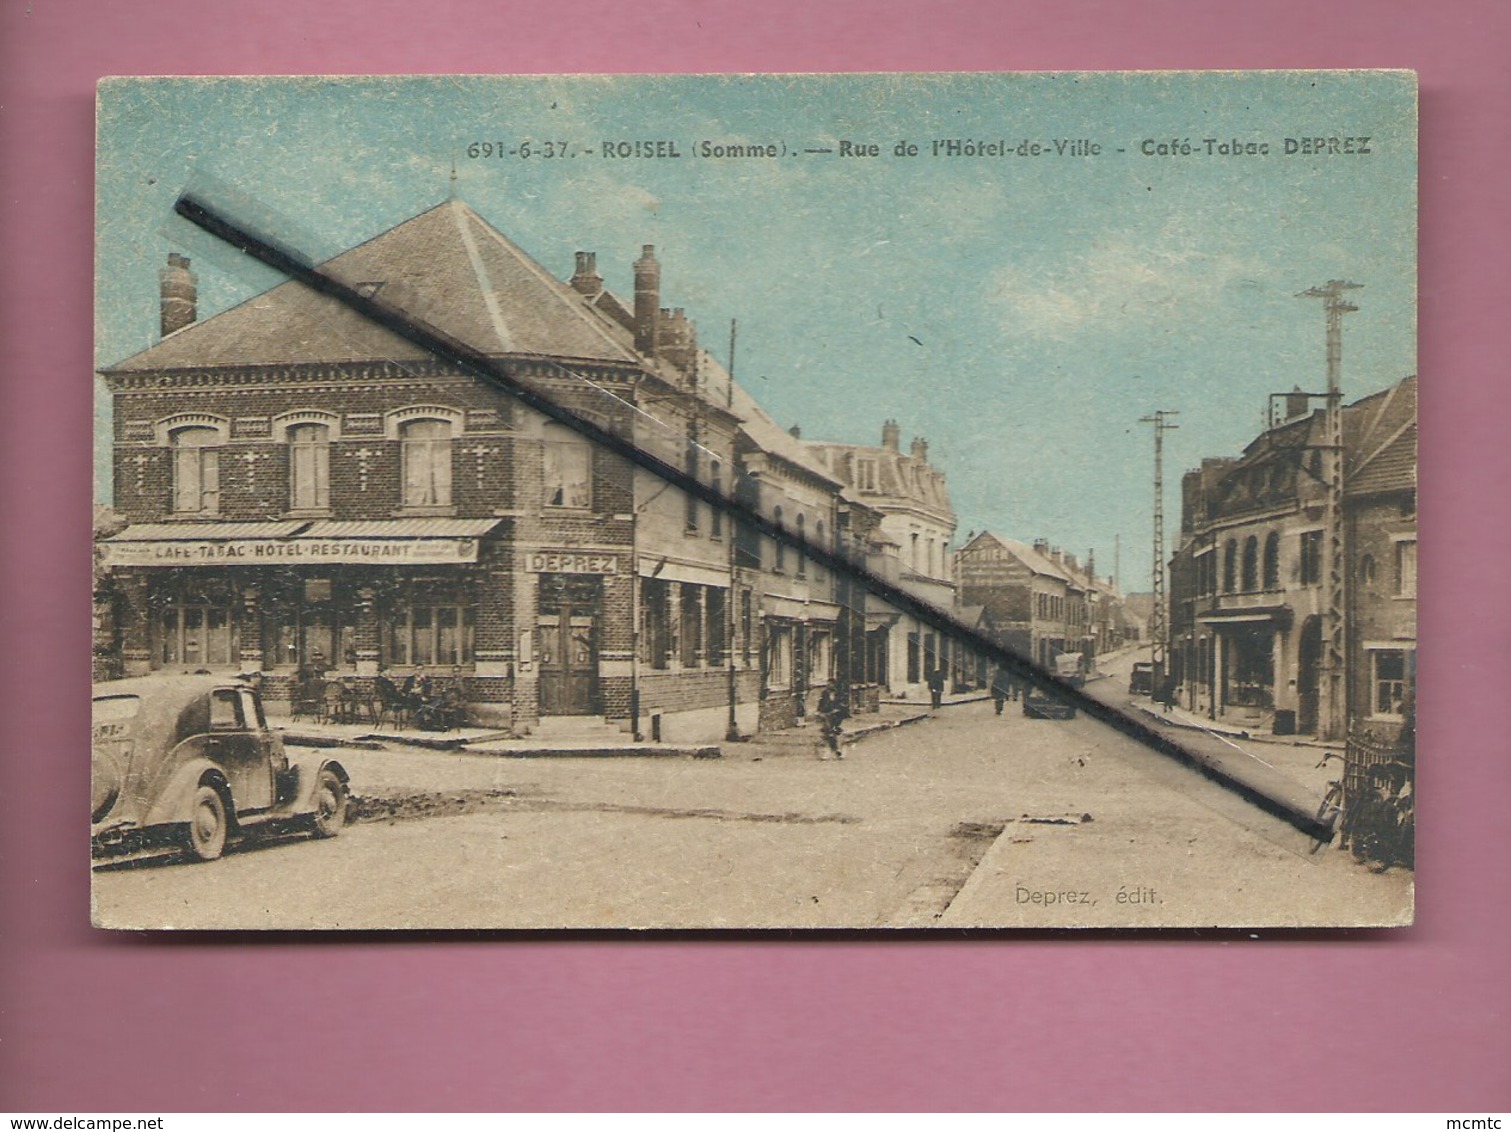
(964, 819)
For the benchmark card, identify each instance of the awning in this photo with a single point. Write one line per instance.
(1276, 616)
(382, 542)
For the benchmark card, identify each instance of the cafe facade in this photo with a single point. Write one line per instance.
(305, 492)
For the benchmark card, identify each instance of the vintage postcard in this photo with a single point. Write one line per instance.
(817, 501)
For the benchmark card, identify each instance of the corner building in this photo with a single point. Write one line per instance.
(306, 491)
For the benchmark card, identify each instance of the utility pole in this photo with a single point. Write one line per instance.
(1335, 575)
(1158, 622)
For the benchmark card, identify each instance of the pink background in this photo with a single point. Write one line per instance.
(1414, 1020)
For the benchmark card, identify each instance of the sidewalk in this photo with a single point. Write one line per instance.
(479, 741)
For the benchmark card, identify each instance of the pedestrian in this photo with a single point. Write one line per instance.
(936, 688)
(1002, 688)
(1167, 692)
(833, 710)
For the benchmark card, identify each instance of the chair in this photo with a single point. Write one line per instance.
(308, 700)
(337, 703)
(392, 704)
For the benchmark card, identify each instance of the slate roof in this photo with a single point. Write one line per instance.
(1380, 435)
(447, 265)
(1038, 563)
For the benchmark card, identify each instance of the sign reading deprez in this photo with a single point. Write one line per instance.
(570, 562)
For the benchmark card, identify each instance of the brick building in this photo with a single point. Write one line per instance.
(306, 491)
(1247, 604)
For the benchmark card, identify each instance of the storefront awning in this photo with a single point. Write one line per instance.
(1275, 616)
(382, 542)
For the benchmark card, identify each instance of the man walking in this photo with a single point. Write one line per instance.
(1002, 688)
(832, 713)
(936, 687)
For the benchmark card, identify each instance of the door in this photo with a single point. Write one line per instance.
(568, 649)
(235, 744)
(1308, 665)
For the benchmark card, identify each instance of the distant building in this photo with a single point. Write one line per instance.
(907, 528)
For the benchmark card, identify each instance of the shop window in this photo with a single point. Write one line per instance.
(1406, 569)
(309, 467)
(779, 656)
(658, 623)
(196, 470)
(426, 448)
(1229, 566)
(1311, 558)
(715, 613)
(914, 659)
(820, 651)
(747, 626)
(421, 633)
(1250, 564)
(1388, 679)
(1272, 561)
(691, 625)
(196, 636)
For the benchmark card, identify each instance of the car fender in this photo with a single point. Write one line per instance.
(308, 771)
(175, 800)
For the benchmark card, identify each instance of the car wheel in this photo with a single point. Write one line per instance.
(330, 804)
(208, 825)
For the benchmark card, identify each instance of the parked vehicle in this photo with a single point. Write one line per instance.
(190, 760)
(1042, 705)
(1141, 681)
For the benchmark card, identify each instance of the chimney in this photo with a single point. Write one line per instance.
(891, 436)
(586, 280)
(647, 300)
(179, 288)
(1041, 546)
(1091, 564)
(920, 450)
(797, 432)
(1296, 403)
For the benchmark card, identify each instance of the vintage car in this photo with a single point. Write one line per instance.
(1141, 680)
(1038, 704)
(190, 761)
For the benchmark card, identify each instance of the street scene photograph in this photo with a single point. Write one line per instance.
(781, 502)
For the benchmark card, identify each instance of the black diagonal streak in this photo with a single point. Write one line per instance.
(496, 373)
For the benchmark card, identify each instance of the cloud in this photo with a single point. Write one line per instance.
(1120, 282)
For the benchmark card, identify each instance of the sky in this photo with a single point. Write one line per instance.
(1021, 312)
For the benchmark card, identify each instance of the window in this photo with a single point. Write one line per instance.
(716, 518)
(690, 466)
(1388, 680)
(914, 659)
(913, 552)
(1272, 561)
(780, 548)
(820, 650)
(426, 453)
(747, 627)
(802, 539)
(691, 625)
(1229, 566)
(714, 610)
(1367, 570)
(658, 623)
(196, 470)
(1250, 564)
(309, 467)
(779, 656)
(865, 475)
(1311, 558)
(196, 636)
(421, 633)
(225, 710)
(568, 473)
(818, 539)
(1406, 568)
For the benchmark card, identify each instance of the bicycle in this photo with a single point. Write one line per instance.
(1330, 813)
